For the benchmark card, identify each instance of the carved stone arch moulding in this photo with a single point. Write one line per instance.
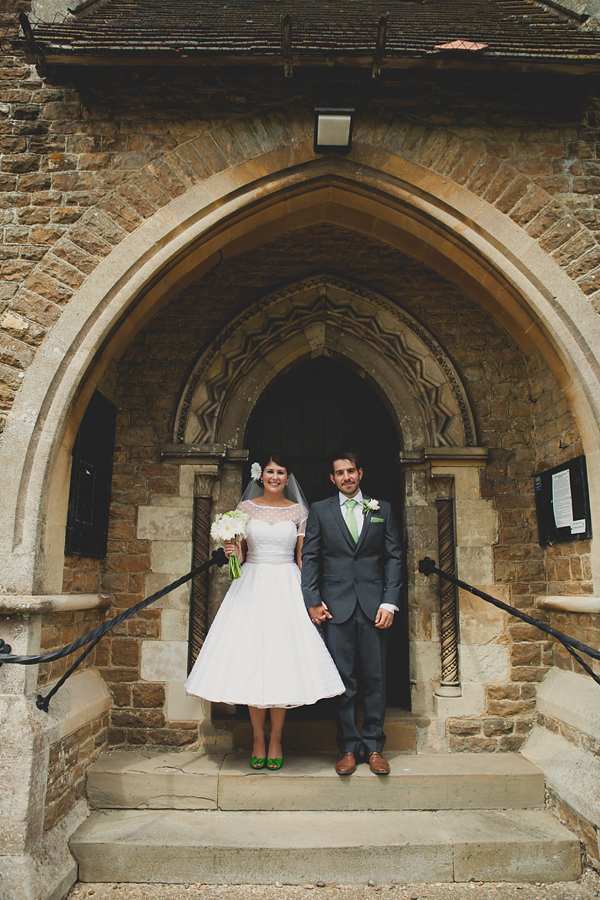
(323, 315)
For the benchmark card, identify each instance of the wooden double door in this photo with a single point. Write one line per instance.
(309, 413)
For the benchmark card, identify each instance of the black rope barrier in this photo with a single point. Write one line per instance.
(428, 567)
(93, 637)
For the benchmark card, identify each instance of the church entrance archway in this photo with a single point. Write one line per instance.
(307, 413)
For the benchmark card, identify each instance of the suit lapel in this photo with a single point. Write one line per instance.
(339, 518)
(365, 527)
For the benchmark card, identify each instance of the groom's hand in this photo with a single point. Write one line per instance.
(319, 613)
(384, 618)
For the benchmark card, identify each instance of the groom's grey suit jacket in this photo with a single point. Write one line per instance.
(341, 572)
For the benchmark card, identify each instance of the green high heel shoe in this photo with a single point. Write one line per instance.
(257, 762)
(274, 763)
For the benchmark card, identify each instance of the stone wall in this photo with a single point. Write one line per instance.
(83, 166)
(81, 575)
(581, 820)
(565, 743)
(70, 758)
(568, 569)
(58, 630)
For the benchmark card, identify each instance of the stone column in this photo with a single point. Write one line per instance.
(443, 487)
(198, 622)
(35, 863)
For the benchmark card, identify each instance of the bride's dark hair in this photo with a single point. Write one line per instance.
(278, 459)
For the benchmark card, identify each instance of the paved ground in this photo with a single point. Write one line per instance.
(587, 888)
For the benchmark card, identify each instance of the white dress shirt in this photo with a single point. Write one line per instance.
(360, 518)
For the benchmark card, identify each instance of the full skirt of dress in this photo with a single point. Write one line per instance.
(262, 649)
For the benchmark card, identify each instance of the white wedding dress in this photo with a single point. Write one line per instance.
(262, 648)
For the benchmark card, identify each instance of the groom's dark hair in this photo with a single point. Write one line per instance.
(352, 455)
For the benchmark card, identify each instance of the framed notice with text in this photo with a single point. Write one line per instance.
(562, 503)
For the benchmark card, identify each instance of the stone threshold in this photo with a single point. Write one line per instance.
(195, 780)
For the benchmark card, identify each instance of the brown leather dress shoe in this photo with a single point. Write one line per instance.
(377, 764)
(346, 764)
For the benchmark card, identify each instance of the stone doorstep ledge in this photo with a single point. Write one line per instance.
(23, 604)
(576, 603)
(571, 698)
(571, 772)
(129, 779)
(81, 699)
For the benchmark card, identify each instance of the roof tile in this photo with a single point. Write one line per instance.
(511, 29)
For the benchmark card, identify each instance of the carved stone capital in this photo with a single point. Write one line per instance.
(442, 487)
(204, 480)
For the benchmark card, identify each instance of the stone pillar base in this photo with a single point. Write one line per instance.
(48, 871)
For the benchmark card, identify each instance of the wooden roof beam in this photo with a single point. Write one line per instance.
(286, 45)
(32, 45)
(380, 45)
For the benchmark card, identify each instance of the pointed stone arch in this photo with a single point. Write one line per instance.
(322, 315)
(393, 199)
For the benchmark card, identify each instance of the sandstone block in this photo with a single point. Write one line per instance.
(21, 162)
(148, 695)
(121, 213)
(164, 660)
(525, 654)
(62, 272)
(138, 718)
(165, 524)
(182, 707)
(228, 145)
(125, 652)
(484, 663)
(513, 194)
(171, 557)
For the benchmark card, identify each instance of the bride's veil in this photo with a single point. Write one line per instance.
(292, 491)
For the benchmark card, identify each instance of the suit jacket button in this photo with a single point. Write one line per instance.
(356, 580)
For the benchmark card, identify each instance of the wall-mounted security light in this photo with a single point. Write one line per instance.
(333, 130)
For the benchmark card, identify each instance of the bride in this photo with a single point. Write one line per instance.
(262, 650)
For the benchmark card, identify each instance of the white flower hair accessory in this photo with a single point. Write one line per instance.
(369, 506)
(255, 471)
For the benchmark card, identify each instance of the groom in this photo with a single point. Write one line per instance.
(351, 580)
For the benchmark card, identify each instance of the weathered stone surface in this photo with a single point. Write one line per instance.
(166, 524)
(300, 847)
(183, 780)
(425, 781)
(164, 660)
(569, 770)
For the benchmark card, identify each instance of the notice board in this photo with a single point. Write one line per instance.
(563, 503)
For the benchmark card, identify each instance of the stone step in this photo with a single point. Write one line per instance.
(314, 735)
(294, 847)
(193, 780)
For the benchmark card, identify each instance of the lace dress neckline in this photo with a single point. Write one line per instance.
(295, 513)
(264, 505)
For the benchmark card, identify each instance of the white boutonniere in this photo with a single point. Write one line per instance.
(369, 506)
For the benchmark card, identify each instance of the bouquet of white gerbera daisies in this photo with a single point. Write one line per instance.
(230, 526)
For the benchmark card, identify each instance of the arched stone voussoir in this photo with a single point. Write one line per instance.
(392, 198)
(323, 315)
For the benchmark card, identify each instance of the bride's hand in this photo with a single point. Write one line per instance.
(231, 548)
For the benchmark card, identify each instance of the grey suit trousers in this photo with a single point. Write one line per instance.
(357, 646)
